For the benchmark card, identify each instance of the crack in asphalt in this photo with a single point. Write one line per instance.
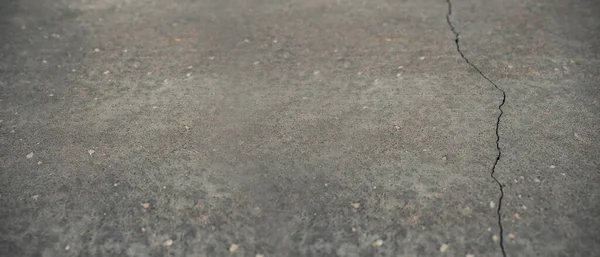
(499, 209)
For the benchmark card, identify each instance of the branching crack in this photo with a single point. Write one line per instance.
(499, 209)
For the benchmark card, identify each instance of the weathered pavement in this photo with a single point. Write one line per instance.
(299, 128)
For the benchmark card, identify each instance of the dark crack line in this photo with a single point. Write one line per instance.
(499, 209)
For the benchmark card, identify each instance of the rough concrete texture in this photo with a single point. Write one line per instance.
(298, 128)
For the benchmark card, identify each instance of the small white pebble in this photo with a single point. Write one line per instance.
(246, 40)
(106, 72)
(188, 75)
(316, 72)
(564, 175)
(275, 41)
(377, 243)
(444, 248)
(125, 50)
(50, 94)
(510, 66)
(552, 166)
(44, 61)
(167, 242)
(470, 255)
(35, 197)
(492, 204)
(68, 247)
(489, 229)
(256, 63)
(190, 67)
(91, 151)
(30, 155)
(355, 205)
(96, 50)
(511, 236)
(212, 57)
(524, 207)
(145, 205)
(233, 248)
(422, 58)
(259, 255)
(495, 238)
(536, 180)
(116, 184)
(39, 162)
(177, 40)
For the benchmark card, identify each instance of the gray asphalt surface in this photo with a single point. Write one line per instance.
(299, 128)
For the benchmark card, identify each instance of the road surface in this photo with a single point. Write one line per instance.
(299, 128)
